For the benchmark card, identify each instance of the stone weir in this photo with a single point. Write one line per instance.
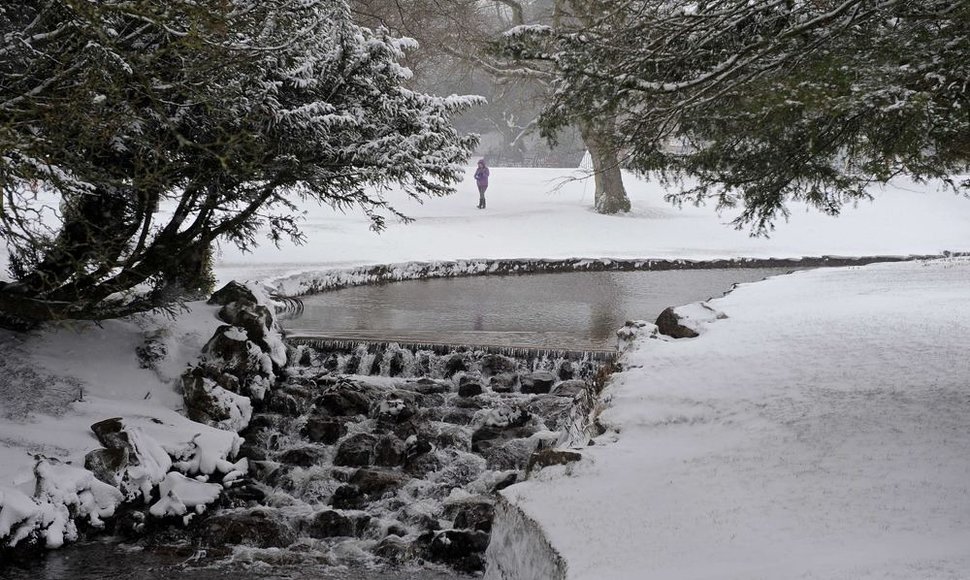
(440, 360)
(403, 465)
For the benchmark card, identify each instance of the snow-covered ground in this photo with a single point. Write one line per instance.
(819, 431)
(539, 213)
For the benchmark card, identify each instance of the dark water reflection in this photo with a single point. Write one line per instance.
(569, 310)
(110, 560)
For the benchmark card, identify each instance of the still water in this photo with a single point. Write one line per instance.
(574, 310)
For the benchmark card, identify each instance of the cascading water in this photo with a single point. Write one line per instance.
(378, 454)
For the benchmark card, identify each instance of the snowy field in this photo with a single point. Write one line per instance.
(540, 213)
(818, 432)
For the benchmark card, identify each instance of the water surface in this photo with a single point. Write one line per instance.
(576, 310)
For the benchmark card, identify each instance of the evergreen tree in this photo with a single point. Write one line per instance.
(224, 114)
(761, 102)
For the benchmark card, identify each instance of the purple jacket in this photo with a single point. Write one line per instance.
(481, 175)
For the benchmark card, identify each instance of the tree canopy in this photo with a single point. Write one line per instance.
(759, 102)
(135, 133)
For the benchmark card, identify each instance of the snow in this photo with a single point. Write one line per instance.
(817, 430)
(547, 213)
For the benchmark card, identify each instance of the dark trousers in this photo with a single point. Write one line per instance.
(481, 196)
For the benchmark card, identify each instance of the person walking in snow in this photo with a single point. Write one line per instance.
(481, 179)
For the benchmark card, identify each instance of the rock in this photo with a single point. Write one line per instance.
(427, 386)
(284, 403)
(489, 436)
(570, 388)
(256, 528)
(107, 464)
(554, 411)
(245, 494)
(229, 351)
(669, 323)
(475, 514)
(538, 382)
(461, 549)
(389, 451)
(111, 433)
(254, 318)
(208, 403)
(330, 524)
(365, 486)
(503, 383)
(302, 456)
(454, 437)
(470, 389)
(323, 429)
(547, 457)
(457, 415)
(494, 364)
(347, 398)
(356, 451)
(395, 550)
(454, 364)
(396, 407)
(232, 292)
(509, 455)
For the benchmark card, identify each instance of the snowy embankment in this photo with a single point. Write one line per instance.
(818, 430)
(93, 416)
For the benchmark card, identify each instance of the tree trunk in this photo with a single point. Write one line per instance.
(610, 194)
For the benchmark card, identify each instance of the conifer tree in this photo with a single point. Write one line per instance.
(136, 133)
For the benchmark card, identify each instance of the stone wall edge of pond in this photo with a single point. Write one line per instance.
(314, 282)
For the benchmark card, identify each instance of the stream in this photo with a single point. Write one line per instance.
(375, 460)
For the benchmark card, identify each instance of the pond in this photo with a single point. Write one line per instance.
(575, 310)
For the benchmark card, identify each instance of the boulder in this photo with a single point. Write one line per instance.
(232, 292)
(256, 528)
(324, 429)
(474, 514)
(493, 364)
(330, 524)
(389, 451)
(302, 456)
(395, 550)
(463, 550)
(539, 382)
(356, 451)
(570, 388)
(504, 383)
(454, 364)
(509, 455)
(396, 407)
(111, 433)
(347, 398)
(427, 386)
(107, 464)
(365, 486)
(669, 323)
(470, 389)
